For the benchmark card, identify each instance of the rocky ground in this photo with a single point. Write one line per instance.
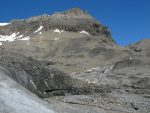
(128, 81)
(71, 61)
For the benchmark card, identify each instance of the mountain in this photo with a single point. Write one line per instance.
(59, 38)
(71, 61)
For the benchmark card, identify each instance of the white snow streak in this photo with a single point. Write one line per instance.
(20, 36)
(1, 43)
(39, 29)
(25, 38)
(58, 31)
(3, 24)
(12, 37)
(84, 32)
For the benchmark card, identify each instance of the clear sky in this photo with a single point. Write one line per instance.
(128, 20)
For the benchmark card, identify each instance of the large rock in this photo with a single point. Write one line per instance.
(16, 99)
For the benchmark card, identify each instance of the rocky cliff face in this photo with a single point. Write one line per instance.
(71, 61)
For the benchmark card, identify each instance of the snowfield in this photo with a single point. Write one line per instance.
(10, 38)
(4, 24)
(13, 37)
(16, 99)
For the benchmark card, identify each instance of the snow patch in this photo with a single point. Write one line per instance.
(25, 38)
(9, 38)
(1, 43)
(4, 24)
(58, 31)
(20, 36)
(39, 29)
(84, 32)
(13, 37)
(40, 33)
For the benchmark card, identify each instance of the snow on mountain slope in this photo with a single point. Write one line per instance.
(25, 38)
(16, 99)
(58, 31)
(9, 38)
(39, 29)
(84, 32)
(3, 24)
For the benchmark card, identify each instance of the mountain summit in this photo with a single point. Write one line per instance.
(73, 20)
(73, 13)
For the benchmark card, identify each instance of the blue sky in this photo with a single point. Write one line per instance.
(128, 20)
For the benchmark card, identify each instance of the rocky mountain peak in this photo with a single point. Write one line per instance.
(72, 20)
(76, 11)
(72, 14)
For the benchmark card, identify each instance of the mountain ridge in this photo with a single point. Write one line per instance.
(74, 20)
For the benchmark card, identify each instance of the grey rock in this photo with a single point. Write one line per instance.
(15, 99)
